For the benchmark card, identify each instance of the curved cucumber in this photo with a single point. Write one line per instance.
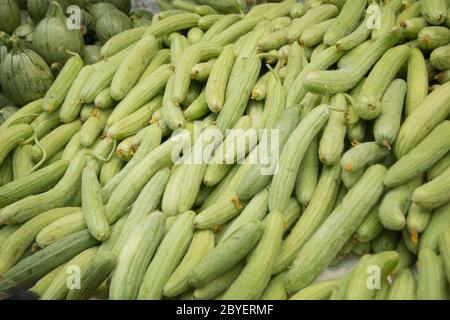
(318, 291)
(336, 230)
(434, 193)
(363, 154)
(431, 284)
(440, 222)
(403, 287)
(12, 136)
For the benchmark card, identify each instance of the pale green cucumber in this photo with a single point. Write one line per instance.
(406, 257)
(431, 112)
(440, 57)
(435, 11)
(346, 22)
(218, 79)
(417, 219)
(12, 137)
(33, 183)
(18, 242)
(202, 243)
(43, 124)
(234, 31)
(56, 94)
(178, 45)
(134, 122)
(445, 253)
(110, 169)
(172, 113)
(161, 58)
(220, 25)
(395, 205)
(132, 260)
(336, 230)
(104, 100)
(260, 89)
(142, 93)
(362, 284)
(371, 226)
(431, 38)
(208, 21)
(439, 167)
(361, 248)
(200, 71)
(431, 284)
(167, 257)
(34, 267)
(417, 81)
(403, 287)
(217, 286)
(422, 157)
(86, 110)
(93, 275)
(387, 240)
(217, 214)
(129, 72)
(93, 209)
(197, 109)
(226, 254)
(169, 204)
(26, 114)
(307, 177)
(242, 79)
(387, 19)
(291, 214)
(41, 286)
(61, 228)
(363, 154)
(410, 10)
(350, 178)
(311, 17)
(434, 193)
(275, 289)
(357, 36)
(55, 140)
(93, 127)
(387, 125)
(295, 64)
(314, 34)
(335, 81)
(354, 54)
(316, 212)
(255, 276)
(284, 179)
(440, 222)
(59, 287)
(22, 164)
(57, 196)
(410, 28)
(332, 142)
(101, 78)
(318, 291)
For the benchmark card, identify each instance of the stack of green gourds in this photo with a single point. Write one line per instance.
(359, 96)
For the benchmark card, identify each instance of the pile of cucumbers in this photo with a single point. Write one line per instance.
(93, 203)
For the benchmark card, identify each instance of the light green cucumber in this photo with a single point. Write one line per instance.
(371, 226)
(93, 127)
(316, 212)
(295, 64)
(431, 112)
(22, 164)
(208, 21)
(93, 208)
(387, 240)
(403, 287)
(202, 243)
(72, 147)
(335, 81)
(311, 17)
(142, 93)
(363, 284)
(132, 260)
(439, 167)
(217, 286)
(55, 141)
(110, 169)
(357, 36)
(422, 157)
(431, 284)
(336, 230)
(93, 275)
(445, 253)
(59, 287)
(31, 269)
(197, 109)
(200, 71)
(234, 31)
(137, 120)
(318, 291)
(435, 11)
(363, 154)
(431, 38)
(172, 113)
(417, 81)
(387, 18)
(169, 203)
(33, 183)
(275, 289)
(226, 254)
(353, 55)
(255, 276)
(61, 228)
(347, 21)
(86, 110)
(104, 100)
(26, 114)
(41, 286)
(161, 58)
(314, 34)
(220, 25)
(167, 257)
(12, 137)
(18, 242)
(307, 177)
(417, 219)
(434, 193)
(440, 222)
(410, 28)
(332, 142)
(284, 180)
(395, 205)
(56, 94)
(218, 79)
(33, 205)
(387, 125)
(440, 57)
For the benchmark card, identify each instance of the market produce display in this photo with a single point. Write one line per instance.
(216, 150)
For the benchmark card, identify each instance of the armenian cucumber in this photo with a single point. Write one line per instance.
(403, 287)
(434, 193)
(431, 284)
(435, 11)
(336, 230)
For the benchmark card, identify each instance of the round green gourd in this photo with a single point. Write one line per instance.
(52, 38)
(111, 23)
(24, 76)
(9, 15)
